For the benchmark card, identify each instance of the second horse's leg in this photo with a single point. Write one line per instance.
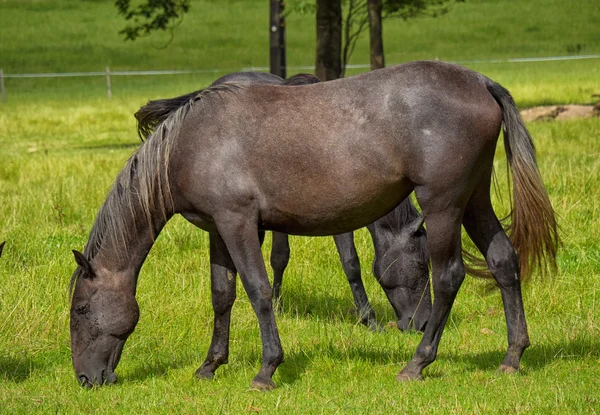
(222, 278)
(351, 265)
(280, 256)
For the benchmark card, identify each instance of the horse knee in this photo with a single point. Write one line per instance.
(450, 279)
(280, 254)
(222, 300)
(280, 260)
(503, 262)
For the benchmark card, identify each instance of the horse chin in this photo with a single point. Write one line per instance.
(104, 377)
(102, 374)
(416, 323)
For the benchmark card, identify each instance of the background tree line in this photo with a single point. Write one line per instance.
(339, 24)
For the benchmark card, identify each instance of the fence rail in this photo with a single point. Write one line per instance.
(108, 73)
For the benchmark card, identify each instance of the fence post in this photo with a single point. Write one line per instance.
(2, 86)
(108, 88)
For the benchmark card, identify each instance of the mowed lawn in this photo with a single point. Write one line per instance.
(62, 144)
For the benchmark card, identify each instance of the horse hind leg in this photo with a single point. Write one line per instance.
(444, 240)
(482, 225)
(351, 265)
(222, 274)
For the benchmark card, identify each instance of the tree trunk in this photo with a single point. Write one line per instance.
(277, 39)
(329, 40)
(375, 33)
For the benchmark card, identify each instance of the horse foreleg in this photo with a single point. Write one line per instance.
(280, 256)
(241, 237)
(443, 237)
(351, 265)
(222, 278)
(485, 230)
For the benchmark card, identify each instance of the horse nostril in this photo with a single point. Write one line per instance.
(84, 381)
(111, 378)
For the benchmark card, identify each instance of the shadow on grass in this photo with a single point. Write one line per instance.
(537, 356)
(328, 307)
(17, 369)
(158, 369)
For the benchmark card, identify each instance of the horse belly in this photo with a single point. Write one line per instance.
(324, 206)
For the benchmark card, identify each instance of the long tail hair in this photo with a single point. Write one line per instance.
(533, 229)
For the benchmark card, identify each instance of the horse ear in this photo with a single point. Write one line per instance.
(415, 226)
(1, 247)
(83, 263)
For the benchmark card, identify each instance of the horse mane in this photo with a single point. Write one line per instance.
(403, 214)
(155, 112)
(143, 184)
(300, 79)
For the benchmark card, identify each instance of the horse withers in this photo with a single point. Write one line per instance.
(401, 258)
(314, 160)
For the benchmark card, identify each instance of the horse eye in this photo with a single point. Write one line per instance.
(83, 309)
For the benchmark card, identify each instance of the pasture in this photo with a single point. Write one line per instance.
(62, 144)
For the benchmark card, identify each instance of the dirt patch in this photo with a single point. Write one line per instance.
(560, 112)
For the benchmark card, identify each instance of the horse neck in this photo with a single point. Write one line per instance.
(126, 228)
(395, 220)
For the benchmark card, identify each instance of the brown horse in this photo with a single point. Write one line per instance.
(401, 263)
(312, 160)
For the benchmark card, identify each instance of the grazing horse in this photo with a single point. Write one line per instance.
(312, 160)
(401, 263)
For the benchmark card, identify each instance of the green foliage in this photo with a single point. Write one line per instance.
(409, 9)
(156, 15)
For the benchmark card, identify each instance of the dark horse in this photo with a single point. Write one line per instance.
(318, 159)
(401, 263)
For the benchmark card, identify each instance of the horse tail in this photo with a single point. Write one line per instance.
(156, 112)
(533, 229)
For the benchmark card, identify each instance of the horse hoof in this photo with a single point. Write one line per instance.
(204, 374)
(262, 384)
(507, 369)
(408, 377)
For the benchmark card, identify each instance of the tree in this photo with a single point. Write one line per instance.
(151, 16)
(374, 8)
(373, 12)
(328, 63)
(337, 32)
(334, 28)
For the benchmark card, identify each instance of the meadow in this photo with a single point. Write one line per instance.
(62, 144)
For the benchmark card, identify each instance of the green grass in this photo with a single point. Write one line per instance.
(62, 144)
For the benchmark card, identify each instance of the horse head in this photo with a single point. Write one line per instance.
(104, 312)
(403, 272)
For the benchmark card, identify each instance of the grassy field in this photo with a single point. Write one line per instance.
(62, 144)
(231, 35)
